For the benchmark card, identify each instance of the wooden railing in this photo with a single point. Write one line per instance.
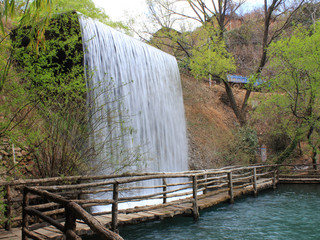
(12, 193)
(72, 211)
(111, 192)
(166, 189)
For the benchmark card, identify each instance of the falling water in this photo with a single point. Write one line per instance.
(138, 113)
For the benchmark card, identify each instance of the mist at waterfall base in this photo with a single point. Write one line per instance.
(135, 103)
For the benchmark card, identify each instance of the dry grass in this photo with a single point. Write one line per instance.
(210, 122)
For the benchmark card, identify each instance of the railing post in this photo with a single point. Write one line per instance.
(278, 173)
(25, 218)
(79, 195)
(164, 183)
(8, 210)
(230, 183)
(254, 180)
(274, 178)
(205, 184)
(114, 223)
(195, 198)
(70, 224)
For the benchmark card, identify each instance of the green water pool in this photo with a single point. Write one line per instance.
(288, 212)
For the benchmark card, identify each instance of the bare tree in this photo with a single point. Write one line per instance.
(217, 14)
(278, 11)
(277, 16)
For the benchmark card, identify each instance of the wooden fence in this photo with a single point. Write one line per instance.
(72, 211)
(56, 200)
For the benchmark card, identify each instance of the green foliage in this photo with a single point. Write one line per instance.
(46, 110)
(171, 41)
(295, 62)
(2, 206)
(56, 72)
(243, 148)
(22, 13)
(26, 12)
(210, 56)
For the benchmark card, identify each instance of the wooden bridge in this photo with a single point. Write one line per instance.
(59, 208)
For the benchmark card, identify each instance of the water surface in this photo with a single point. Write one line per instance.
(289, 212)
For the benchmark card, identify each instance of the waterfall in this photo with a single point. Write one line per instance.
(135, 102)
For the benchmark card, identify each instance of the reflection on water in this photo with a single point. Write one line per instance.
(289, 212)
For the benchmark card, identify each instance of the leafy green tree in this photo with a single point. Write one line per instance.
(25, 12)
(21, 13)
(277, 16)
(36, 15)
(210, 56)
(210, 59)
(295, 62)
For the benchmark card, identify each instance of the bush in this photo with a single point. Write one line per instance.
(278, 142)
(52, 83)
(243, 148)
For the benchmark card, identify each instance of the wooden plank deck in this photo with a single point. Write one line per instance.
(14, 234)
(205, 201)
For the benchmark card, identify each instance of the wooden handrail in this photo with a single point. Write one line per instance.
(207, 180)
(33, 212)
(93, 223)
(103, 177)
(73, 211)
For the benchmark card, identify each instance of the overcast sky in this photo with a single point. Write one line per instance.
(124, 9)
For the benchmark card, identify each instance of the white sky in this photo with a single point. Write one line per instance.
(127, 10)
(124, 9)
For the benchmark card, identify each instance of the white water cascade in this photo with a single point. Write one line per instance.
(135, 100)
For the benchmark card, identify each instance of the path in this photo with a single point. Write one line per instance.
(159, 212)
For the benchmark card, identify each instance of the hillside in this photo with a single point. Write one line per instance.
(210, 122)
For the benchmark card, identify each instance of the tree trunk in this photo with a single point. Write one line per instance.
(313, 146)
(289, 150)
(239, 114)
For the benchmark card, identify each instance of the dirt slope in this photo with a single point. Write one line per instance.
(210, 121)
